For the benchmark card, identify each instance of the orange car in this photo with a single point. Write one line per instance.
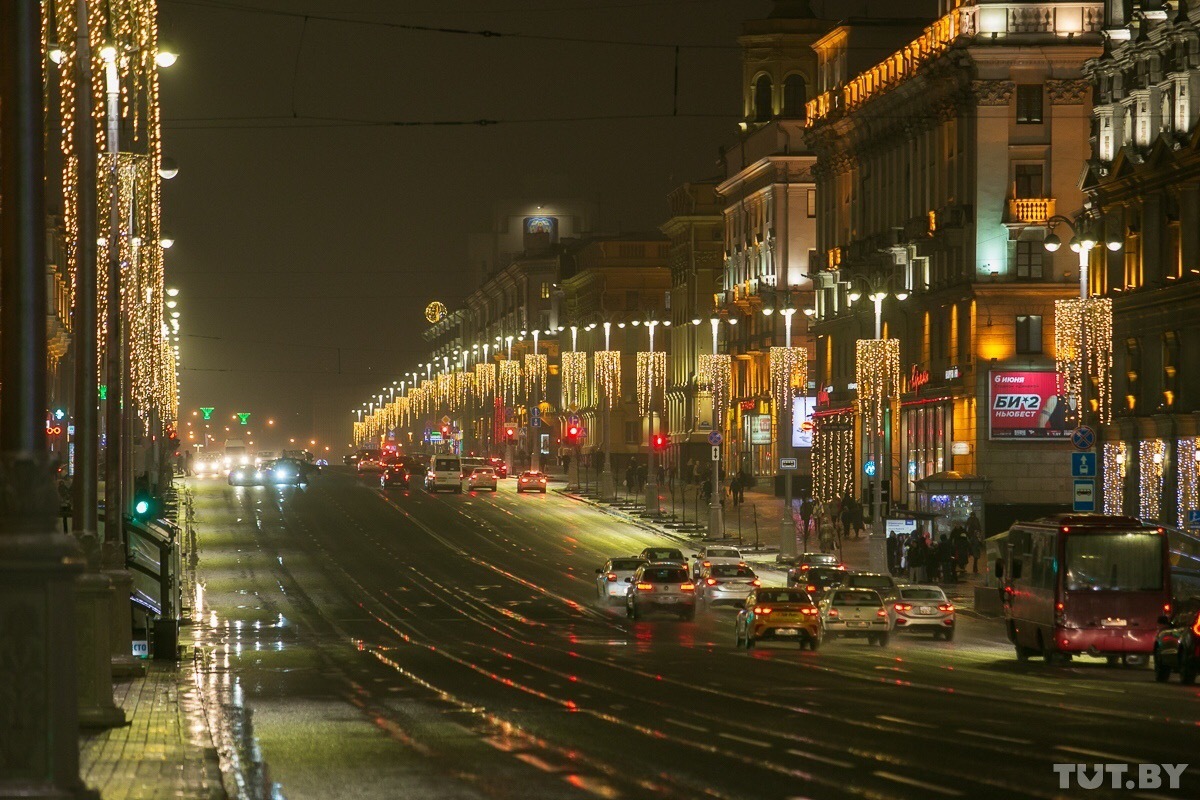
(780, 615)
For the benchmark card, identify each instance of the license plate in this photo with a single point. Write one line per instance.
(786, 631)
(854, 624)
(1113, 623)
(670, 599)
(924, 610)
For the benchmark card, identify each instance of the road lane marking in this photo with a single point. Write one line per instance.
(823, 759)
(903, 721)
(687, 725)
(1097, 753)
(929, 787)
(745, 740)
(995, 736)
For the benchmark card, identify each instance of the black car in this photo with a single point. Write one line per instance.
(816, 580)
(1177, 646)
(284, 472)
(395, 474)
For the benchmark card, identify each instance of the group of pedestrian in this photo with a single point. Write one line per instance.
(923, 559)
(635, 476)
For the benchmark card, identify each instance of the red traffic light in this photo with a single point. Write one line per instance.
(573, 432)
(510, 432)
(445, 430)
(658, 441)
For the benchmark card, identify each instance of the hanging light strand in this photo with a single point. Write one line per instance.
(877, 369)
(510, 381)
(651, 377)
(535, 371)
(608, 374)
(574, 378)
(789, 373)
(485, 381)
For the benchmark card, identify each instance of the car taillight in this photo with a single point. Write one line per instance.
(541, 480)
(833, 612)
(1196, 626)
(903, 606)
(804, 567)
(764, 610)
(1166, 609)
(946, 607)
(612, 577)
(808, 611)
(842, 567)
(1059, 616)
(756, 582)
(645, 587)
(810, 588)
(687, 587)
(881, 612)
(705, 564)
(711, 581)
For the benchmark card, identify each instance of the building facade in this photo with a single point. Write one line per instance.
(940, 172)
(1144, 189)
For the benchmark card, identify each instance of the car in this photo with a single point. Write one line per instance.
(660, 587)
(469, 463)
(708, 556)
(369, 465)
(854, 613)
(208, 468)
(395, 474)
(445, 472)
(727, 584)
(801, 564)
(263, 456)
(283, 471)
(482, 478)
(531, 482)
(498, 464)
(245, 475)
(610, 579)
(774, 613)
(923, 609)
(816, 580)
(1177, 645)
(887, 586)
(664, 555)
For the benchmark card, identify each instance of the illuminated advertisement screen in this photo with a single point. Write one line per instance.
(1026, 405)
(802, 422)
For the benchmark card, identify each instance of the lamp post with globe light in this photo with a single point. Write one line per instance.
(717, 377)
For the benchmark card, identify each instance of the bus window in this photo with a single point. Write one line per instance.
(1128, 562)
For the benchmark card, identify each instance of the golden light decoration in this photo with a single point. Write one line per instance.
(833, 455)
(1151, 455)
(715, 372)
(510, 381)
(789, 373)
(1187, 488)
(1116, 459)
(402, 411)
(1078, 325)
(435, 312)
(651, 378)
(485, 380)
(464, 387)
(536, 367)
(877, 371)
(607, 364)
(574, 378)
(445, 389)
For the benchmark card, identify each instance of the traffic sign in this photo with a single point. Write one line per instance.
(207, 411)
(535, 412)
(573, 419)
(1083, 437)
(1083, 465)
(789, 463)
(445, 419)
(716, 454)
(714, 438)
(869, 468)
(536, 422)
(1085, 494)
(1193, 518)
(243, 417)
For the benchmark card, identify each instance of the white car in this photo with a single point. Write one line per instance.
(707, 556)
(445, 472)
(925, 609)
(610, 579)
(481, 478)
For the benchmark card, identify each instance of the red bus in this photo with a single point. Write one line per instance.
(1084, 584)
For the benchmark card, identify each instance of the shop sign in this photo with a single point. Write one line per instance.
(747, 405)
(917, 378)
(1027, 405)
(760, 429)
(802, 424)
(960, 448)
(952, 373)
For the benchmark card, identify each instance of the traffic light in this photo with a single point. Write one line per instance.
(510, 433)
(573, 434)
(445, 431)
(143, 505)
(658, 442)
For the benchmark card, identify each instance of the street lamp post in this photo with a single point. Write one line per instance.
(608, 483)
(717, 388)
(787, 525)
(652, 504)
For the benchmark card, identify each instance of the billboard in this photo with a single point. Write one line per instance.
(802, 421)
(760, 428)
(1026, 405)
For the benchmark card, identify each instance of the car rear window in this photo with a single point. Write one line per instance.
(724, 553)
(820, 558)
(487, 471)
(922, 594)
(823, 573)
(446, 465)
(665, 575)
(731, 571)
(663, 554)
(627, 564)
(783, 596)
(870, 581)
(855, 599)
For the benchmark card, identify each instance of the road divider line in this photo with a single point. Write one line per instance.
(744, 740)
(902, 721)
(1097, 754)
(823, 759)
(929, 787)
(994, 736)
(688, 725)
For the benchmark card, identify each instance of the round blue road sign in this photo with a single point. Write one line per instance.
(714, 438)
(1083, 437)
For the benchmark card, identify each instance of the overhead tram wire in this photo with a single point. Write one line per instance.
(304, 122)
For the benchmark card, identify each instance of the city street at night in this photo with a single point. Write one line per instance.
(447, 646)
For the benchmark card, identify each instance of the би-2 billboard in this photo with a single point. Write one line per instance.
(1027, 404)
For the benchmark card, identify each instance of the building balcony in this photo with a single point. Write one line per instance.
(1030, 210)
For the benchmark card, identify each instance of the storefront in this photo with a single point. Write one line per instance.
(926, 436)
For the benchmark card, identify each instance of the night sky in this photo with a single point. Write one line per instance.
(309, 237)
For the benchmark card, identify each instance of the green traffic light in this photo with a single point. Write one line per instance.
(142, 506)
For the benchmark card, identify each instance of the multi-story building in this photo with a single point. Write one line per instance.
(1144, 188)
(940, 171)
(696, 232)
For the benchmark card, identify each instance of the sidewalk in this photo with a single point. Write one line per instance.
(166, 750)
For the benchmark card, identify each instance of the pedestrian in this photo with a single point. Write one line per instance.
(735, 485)
(672, 471)
(661, 474)
(741, 490)
(847, 517)
(64, 502)
(706, 488)
(945, 551)
(974, 540)
(566, 462)
(856, 517)
(962, 548)
(892, 554)
(698, 473)
(688, 469)
(826, 534)
(806, 514)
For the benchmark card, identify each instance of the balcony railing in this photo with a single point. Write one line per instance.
(1031, 210)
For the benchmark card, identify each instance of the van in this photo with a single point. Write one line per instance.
(445, 472)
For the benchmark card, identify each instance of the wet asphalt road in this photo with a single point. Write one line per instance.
(403, 645)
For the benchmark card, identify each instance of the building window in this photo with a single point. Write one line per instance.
(1027, 180)
(632, 300)
(1029, 104)
(1170, 358)
(545, 290)
(762, 99)
(795, 95)
(1029, 260)
(633, 432)
(812, 203)
(1029, 334)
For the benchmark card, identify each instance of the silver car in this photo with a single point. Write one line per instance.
(707, 556)
(730, 584)
(924, 609)
(665, 555)
(610, 579)
(661, 587)
(856, 613)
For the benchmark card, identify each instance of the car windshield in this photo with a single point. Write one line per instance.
(870, 581)
(820, 558)
(731, 571)
(723, 552)
(783, 596)
(855, 599)
(665, 575)
(1124, 562)
(627, 564)
(922, 594)
(446, 465)
(823, 573)
(662, 554)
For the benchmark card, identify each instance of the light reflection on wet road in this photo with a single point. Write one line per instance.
(451, 646)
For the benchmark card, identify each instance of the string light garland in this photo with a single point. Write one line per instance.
(651, 376)
(1151, 455)
(485, 381)
(607, 364)
(510, 381)
(833, 455)
(789, 373)
(1187, 486)
(1078, 325)
(714, 372)
(1116, 458)
(445, 389)
(536, 367)
(877, 371)
(574, 378)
